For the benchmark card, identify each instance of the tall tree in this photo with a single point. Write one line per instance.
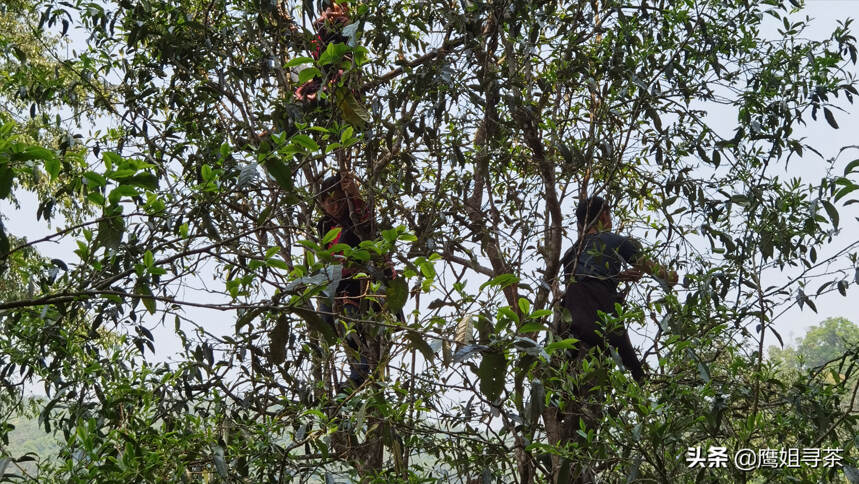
(474, 128)
(824, 343)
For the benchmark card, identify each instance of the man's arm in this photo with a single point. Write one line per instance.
(648, 266)
(631, 250)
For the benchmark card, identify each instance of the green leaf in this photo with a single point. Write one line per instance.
(148, 259)
(247, 317)
(830, 118)
(524, 306)
(122, 191)
(428, 270)
(505, 312)
(6, 176)
(305, 142)
(501, 281)
(657, 122)
(95, 179)
(540, 313)
(264, 215)
(316, 323)
(492, 372)
(407, 237)
(148, 302)
(419, 344)
(52, 166)
(280, 172)
(844, 191)
(110, 159)
(851, 166)
(564, 344)
(396, 294)
(390, 235)
(298, 61)
(341, 247)
(532, 327)
(143, 180)
(110, 231)
(37, 153)
(832, 212)
(308, 74)
(703, 369)
(353, 111)
(331, 235)
(346, 135)
(119, 174)
(333, 53)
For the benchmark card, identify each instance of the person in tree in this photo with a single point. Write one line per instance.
(593, 269)
(344, 209)
(329, 27)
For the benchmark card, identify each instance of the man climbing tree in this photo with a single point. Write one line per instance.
(328, 26)
(345, 211)
(356, 315)
(593, 269)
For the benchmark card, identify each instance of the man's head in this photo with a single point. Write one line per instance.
(593, 213)
(331, 197)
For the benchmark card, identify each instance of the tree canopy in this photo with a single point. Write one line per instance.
(831, 340)
(175, 150)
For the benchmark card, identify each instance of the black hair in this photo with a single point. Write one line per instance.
(330, 184)
(589, 210)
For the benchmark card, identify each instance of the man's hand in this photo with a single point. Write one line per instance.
(671, 278)
(655, 269)
(336, 15)
(348, 185)
(629, 275)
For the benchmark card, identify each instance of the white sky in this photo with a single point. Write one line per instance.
(794, 323)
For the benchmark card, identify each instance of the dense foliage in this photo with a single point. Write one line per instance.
(167, 142)
(822, 344)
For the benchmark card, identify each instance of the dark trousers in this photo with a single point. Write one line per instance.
(582, 402)
(584, 299)
(359, 365)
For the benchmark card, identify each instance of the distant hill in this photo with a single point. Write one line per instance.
(29, 437)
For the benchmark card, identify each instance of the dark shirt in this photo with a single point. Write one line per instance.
(593, 289)
(602, 257)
